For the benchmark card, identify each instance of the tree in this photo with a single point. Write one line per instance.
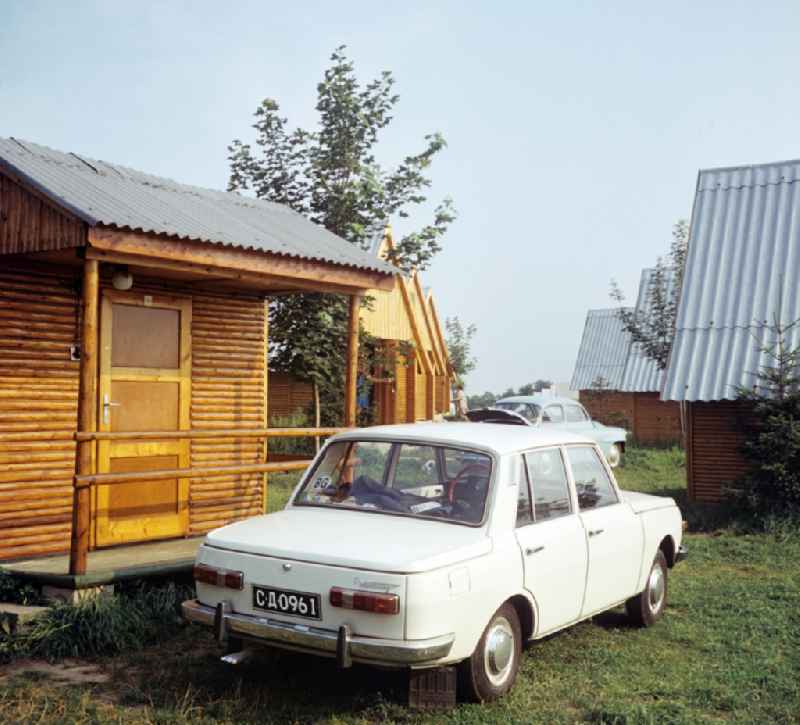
(485, 400)
(772, 444)
(331, 176)
(535, 387)
(654, 327)
(459, 346)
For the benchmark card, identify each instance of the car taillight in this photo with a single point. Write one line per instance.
(365, 601)
(218, 577)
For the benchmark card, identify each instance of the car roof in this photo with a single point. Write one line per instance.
(494, 437)
(540, 400)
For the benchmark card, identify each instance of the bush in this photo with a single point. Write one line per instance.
(294, 447)
(772, 442)
(17, 591)
(138, 615)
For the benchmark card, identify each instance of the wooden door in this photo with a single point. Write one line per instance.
(145, 385)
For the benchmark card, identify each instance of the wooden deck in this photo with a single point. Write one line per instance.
(107, 566)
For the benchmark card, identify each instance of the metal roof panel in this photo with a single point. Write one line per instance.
(109, 194)
(742, 274)
(603, 351)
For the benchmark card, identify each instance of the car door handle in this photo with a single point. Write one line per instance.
(596, 532)
(533, 550)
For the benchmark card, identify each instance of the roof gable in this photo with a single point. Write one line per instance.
(742, 273)
(603, 351)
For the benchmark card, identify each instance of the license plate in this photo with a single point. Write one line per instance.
(286, 601)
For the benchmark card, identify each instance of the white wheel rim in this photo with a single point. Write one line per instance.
(613, 456)
(656, 589)
(498, 651)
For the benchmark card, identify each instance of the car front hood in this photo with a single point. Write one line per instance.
(354, 539)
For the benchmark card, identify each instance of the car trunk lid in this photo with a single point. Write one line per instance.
(353, 539)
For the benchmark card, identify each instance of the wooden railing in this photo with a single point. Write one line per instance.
(79, 546)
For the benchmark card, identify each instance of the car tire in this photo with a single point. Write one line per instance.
(646, 608)
(614, 456)
(492, 669)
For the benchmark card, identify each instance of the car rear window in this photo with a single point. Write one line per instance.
(408, 479)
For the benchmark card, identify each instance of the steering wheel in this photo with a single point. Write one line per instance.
(469, 470)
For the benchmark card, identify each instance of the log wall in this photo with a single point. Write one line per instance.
(38, 403)
(29, 224)
(38, 407)
(715, 436)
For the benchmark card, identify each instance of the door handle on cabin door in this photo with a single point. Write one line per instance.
(596, 532)
(533, 550)
(107, 405)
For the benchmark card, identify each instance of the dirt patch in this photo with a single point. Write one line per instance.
(66, 672)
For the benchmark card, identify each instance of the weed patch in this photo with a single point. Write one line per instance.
(133, 618)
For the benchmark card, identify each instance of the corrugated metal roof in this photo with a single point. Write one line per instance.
(642, 374)
(102, 193)
(743, 270)
(603, 351)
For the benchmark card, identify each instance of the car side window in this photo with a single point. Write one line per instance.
(553, 414)
(575, 414)
(593, 486)
(548, 479)
(524, 512)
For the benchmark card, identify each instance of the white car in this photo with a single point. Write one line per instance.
(428, 545)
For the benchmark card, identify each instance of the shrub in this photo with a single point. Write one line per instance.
(17, 591)
(296, 447)
(138, 615)
(772, 442)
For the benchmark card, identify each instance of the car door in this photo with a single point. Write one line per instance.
(613, 532)
(551, 538)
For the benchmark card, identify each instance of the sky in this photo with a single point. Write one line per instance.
(575, 130)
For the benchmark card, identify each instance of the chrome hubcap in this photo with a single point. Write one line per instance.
(613, 456)
(499, 651)
(655, 589)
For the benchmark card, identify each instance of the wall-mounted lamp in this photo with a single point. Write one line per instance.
(122, 279)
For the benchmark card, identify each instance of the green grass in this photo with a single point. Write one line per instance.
(728, 650)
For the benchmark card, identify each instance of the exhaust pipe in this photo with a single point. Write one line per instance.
(237, 658)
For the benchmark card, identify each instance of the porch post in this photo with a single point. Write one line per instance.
(351, 378)
(87, 416)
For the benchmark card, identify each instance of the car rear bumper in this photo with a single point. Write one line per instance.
(682, 553)
(317, 640)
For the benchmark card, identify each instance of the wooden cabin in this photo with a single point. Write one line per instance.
(599, 368)
(618, 385)
(133, 319)
(742, 274)
(653, 421)
(417, 382)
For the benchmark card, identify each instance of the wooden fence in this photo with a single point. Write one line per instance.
(79, 545)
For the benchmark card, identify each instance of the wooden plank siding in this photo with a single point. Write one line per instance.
(609, 407)
(39, 392)
(714, 459)
(655, 420)
(288, 396)
(28, 223)
(648, 419)
(39, 407)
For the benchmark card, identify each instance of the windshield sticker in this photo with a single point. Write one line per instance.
(322, 483)
(426, 506)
